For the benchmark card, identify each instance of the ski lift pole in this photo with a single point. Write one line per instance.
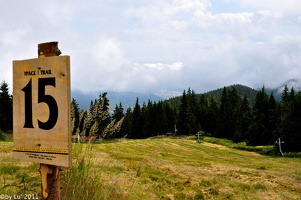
(279, 144)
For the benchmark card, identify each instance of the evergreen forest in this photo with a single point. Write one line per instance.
(226, 115)
(257, 119)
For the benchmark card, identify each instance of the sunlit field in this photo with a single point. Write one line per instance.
(160, 168)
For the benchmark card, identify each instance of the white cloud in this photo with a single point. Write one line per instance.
(234, 17)
(279, 6)
(102, 65)
(160, 44)
(12, 38)
(161, 66)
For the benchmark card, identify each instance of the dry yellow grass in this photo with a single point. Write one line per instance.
(181, 168)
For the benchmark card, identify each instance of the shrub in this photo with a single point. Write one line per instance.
(8, 169)
(2, 136)
(293, 154)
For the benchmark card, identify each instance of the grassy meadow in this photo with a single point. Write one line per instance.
(160, 168)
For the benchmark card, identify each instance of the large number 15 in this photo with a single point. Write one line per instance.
(42, 97)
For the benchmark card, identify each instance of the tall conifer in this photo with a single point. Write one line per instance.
(118, 114)
(228, 112)
(290, 128)
(74, 116)
(6, 108)
(243, 120)
(136, 125)
(258, 132)
(183, 121)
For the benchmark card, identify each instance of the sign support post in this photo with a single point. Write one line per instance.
(50, 174)
(41, 110)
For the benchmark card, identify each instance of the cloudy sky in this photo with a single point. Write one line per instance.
(158, 45)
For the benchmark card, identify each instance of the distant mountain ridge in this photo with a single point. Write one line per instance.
(216, 94)
(242, 90)
(128, 99)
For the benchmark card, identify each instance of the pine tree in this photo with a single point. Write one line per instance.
(89, 119)
(74, 116)
(188, 114)
(183, 121)
(223, 118)
(6, 109)
(118, 112)
(243, 121)
(213, 112)
(203, 114)
(126, 127)
(290, 128)
(149, 120)
(170, 114)
(137, 123)
(112, 128)
(285, 95)
(286, 105)
(81, 121)
(228, 112)
(258, 133)
(193, 112)
(97, 122)
(273, 120)
(160, 118)
(291, 95)
(102, 112)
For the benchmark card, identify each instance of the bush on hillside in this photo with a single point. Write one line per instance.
(2, 136)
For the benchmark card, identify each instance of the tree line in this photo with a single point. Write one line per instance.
(231, 117)
(155, 118)
(96, 121)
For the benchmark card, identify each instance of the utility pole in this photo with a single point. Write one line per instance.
(279, 144)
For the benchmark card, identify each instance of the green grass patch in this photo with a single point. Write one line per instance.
(6, 137)
(264, 150)
(9, 169)
(259, 186)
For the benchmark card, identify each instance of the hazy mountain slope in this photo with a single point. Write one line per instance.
(127, 99)
(295, 83)
(216, 94)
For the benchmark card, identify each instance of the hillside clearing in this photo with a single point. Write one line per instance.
(172, 168)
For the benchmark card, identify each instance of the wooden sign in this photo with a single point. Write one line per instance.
(41, 110)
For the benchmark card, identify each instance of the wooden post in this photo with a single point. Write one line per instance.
(50, 174)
